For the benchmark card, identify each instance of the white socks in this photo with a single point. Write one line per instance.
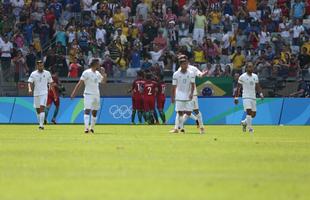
(41, 117)
(93, 122)
(184, 118)
(192, 116)
(249, 121)
(38, 117)
(176, 122)
(86, 121)
(199, 118)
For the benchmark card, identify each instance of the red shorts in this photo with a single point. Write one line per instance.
(161, 102)
(137, 102)
(149, 103)
(51, 99)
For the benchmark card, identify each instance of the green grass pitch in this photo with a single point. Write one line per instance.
(147, 163)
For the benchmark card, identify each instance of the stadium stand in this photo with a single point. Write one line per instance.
(129, 35)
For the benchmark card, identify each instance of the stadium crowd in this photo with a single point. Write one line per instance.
(128, 35)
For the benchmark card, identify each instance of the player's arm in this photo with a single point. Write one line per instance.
(76, 88)
(174, 87)
(237, 93)
(104, 76)
(258, 88)
(192, 88)
(30, 85)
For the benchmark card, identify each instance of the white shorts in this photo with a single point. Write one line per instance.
(183, 106)
(39, 101)
(195, 105)
(91, 102)
(249, 104)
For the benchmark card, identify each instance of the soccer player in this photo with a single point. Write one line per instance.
(197, 73)
(91, 79)
(137, 97)
(53, 97)
(161, 98)
(183, 86)
(249, 83)
(40, 79)
(149, 93)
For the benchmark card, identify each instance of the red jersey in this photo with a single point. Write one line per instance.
(56, 85)
(161, 89)
(150, 88)
(74, 70)
(137, 87)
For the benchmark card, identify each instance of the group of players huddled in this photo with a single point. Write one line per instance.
(148, 92)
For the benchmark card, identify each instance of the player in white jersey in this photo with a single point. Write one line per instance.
(91, 79)
(40, 79)
(250, 86)
(183, 86)
(197, 73)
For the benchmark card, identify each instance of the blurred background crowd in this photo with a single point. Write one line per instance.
(129, 35)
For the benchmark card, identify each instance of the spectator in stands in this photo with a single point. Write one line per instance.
(303, 89)
(74, 69)
(21, 69)
(238, 61)
(298, 9)
(6, 49)
(304, 61)
(200, 24)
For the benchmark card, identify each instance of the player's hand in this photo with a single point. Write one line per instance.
(236, 101)
(72, 96)
(30, 92)
(55, 99)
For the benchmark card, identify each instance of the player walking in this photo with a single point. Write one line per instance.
(183, 86)
(249, 83)
(91, 79)
(53, 97)
(161, 98)
(197, 73)
(40, 79)
(137, 97)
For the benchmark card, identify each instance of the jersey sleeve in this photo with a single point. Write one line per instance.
(174, 80)
(84, 76)
(31, 78)
(50, 79)
(256, 79)
(100, 77)
(240, 80)
(192, 78)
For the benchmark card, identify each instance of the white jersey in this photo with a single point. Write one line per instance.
(183, 82)
(196, 72)
(40, 81)
(248, 85)
(91, 80)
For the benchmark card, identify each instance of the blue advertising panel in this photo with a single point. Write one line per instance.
(6, 107)
(296, 111)
(117, 110)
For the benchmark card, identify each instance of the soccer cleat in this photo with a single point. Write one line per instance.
(174, 131)
(53, 121)
(243, 124)
(251, 130)
(41, 128)
(92, 131)
(86, 131)
(182, 130)
(197, 123)
(133, 123)
(202, 131)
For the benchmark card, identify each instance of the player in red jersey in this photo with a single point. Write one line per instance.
(149, 91)
(53, 98)
(137, 97)
(161, 98)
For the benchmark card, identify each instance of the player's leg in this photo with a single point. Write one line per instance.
(249, 119)
(36, 105)
(247, 108)
(253, 114)
(87, 109)
(198, 114)
(139, 107)
(95, 107)
(134, 110)
(155, 116)
(48, 106)
(160, 107)
(177, 118)
(43, 99)
(57, 104)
